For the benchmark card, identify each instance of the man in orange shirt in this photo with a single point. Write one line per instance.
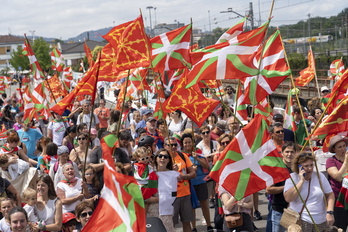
(103, 114)
(182, 204)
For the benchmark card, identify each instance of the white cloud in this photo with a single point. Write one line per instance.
(68, 18)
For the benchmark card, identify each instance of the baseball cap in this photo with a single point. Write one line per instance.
(146, 111)
(94, 131)
(278, 117)
(221, 125)
(151, 119)
(68, 217)
(324, 88)
(62, 149)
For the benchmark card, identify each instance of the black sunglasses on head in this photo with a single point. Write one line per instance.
(172, 144)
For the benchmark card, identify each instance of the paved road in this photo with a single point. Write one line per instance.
(261, 224)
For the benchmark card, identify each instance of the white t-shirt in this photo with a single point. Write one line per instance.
(174, 127)
(206, 150)
(58, 175)
(167, 185)
(86, 118)
(58, 131)
(315, 202)
(70, 191)
(4, 226)
(31, 213)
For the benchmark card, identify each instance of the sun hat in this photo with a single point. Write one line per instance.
(334, 140)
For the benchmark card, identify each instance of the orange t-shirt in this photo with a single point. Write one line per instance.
(104, 112)
(184, 185)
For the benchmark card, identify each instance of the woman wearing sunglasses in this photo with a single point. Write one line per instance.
(84, 211)
(147, 178)
(200, 165)
(167, 187)
(209, 148)
(78, 154)
(312, 192)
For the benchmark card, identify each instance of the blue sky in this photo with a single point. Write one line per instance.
(68, 18)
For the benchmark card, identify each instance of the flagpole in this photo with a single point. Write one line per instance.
(305, 205)
(224, 105)
(303, 119)
(315, 71)
(262, 50)
(171, 152)
(123, 102)
(91, 121)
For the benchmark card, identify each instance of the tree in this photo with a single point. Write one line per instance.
(42, 52)
(18, 61)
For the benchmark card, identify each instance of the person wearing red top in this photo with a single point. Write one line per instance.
(103, 114)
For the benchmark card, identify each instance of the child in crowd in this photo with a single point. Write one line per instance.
(134, 122)
(147, 179)
(49, 159)
(5, 207)
(95, 142)
(69, 222)
(30, 197)
(13, 165)
(93, 184)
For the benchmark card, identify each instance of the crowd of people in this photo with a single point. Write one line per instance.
(54, 168)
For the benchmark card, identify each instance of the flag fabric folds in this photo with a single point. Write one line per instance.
(307, 74)
(232, 32)
(120, 199)
(336, 69)
(250, 162)
(86, 86)
(88, 54)
(131, 44)
(190, 101)
(171, 50)
(273, 70)
(228, 60)
(34, 63)
(335, 123)
(57, 60)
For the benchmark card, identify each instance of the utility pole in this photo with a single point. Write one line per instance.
(209, 21)
(309, 25)
(251, 14)
(149, 8)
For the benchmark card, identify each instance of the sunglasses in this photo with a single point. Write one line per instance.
(205, 132)
(163, 156)
(172, 145)
(85, 214)
(142, 159)
(225, 143)
(81, 138)
(281, 131)
(306, 154)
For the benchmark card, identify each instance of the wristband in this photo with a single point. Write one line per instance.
(330, 212)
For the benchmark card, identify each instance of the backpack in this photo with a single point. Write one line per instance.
(56, 166)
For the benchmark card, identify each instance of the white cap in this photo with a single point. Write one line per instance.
(324, 88)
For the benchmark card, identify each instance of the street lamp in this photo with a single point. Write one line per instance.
(32, 34)
(149, 8)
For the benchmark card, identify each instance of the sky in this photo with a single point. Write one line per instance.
(64, 19)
